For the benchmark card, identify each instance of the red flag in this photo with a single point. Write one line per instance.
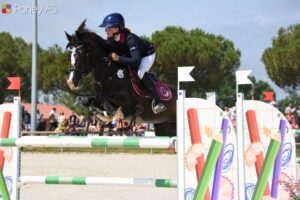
(15, 83)
(268, 96)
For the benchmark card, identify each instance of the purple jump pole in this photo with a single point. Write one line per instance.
(277, 166)
(218, 170)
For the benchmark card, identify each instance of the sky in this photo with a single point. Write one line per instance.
(250, 24)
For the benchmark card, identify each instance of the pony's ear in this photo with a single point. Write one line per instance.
(81, 26)
(69, 37)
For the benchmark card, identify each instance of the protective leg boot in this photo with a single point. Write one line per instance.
(157, 105)
(109, 108)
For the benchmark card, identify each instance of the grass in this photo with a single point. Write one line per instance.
(109, 150)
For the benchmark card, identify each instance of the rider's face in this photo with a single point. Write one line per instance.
(111, 31)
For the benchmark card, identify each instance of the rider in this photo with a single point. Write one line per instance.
(139, 54)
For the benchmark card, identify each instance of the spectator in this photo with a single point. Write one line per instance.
(298, 116)
(232, 117)
(39, 120)
(72, 119)
(121, 127)
(93, 124)
(289, 107)
(52, 121)
(151, 127)
(291, 118)
(27, 121)
(81, 124)
(53, 111)
(139, 129)
(108, 126)
(62, 122)
(23, 117)
(72, 122)
(226, 111)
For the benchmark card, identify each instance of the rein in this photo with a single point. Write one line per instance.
(105, 75)
(100, 82)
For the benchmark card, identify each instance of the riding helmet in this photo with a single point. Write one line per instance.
(113, 20)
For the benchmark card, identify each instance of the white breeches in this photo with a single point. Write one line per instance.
(146, 64)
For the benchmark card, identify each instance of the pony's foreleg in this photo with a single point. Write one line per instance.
(91, 101)
(94, 104)
(105, 117)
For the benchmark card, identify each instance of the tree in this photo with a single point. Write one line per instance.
(15, 60)
(282, 61)
(294, 98)
(256, 90)
(71, 101)
(226, 95)
(54, 66)
(214, 57)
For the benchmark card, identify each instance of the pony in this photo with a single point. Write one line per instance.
(116, 83)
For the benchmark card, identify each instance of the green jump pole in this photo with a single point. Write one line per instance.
(3, 187)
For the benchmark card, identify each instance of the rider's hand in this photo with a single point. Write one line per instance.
(115, 57)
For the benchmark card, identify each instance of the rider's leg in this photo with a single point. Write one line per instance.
(158, 106)
(146, 64)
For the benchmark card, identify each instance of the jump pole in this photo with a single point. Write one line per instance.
(103, 141)
(89, 142)
(81, 180)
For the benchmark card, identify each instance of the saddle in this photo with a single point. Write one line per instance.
(163, 90)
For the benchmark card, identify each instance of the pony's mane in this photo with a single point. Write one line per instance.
(86, 35)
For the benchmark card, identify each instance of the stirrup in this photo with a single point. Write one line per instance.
(158, 108)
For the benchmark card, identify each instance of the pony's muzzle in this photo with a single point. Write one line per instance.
(71, 83)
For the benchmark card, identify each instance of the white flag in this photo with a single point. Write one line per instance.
(242, 77)
(184, 74)
(211, 97)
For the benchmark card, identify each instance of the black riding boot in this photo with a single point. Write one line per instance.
(157, 105)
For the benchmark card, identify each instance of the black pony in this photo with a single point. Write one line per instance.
(89, 53)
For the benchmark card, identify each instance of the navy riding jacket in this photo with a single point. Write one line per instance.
(133, 49)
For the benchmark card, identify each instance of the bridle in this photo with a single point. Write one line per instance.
(82, 70)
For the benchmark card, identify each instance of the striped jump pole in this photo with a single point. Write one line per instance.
(81, 180)
(89, 142)
(79, 141)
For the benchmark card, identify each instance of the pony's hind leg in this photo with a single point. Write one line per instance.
(165, 129)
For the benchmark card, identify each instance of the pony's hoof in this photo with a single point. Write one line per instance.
(104, 118)
(119, 114)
